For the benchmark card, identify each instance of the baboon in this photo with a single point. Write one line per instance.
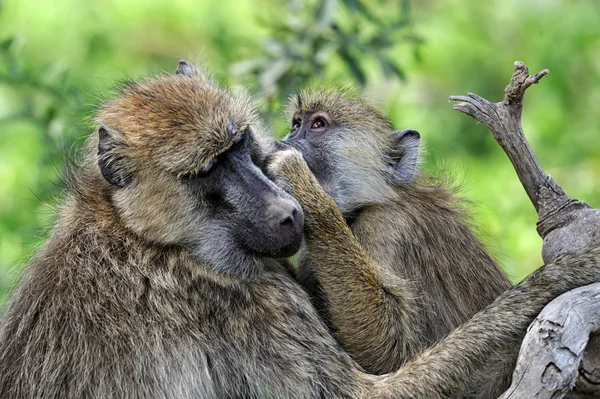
(410, 231)
(378, 297)
(162, 277)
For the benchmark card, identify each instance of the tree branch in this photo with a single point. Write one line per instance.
(556, 341)
(566, 224)
(553, 348)
(504, 120)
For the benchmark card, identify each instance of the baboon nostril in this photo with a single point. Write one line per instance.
(285, 217)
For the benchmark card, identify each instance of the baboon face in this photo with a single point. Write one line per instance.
(183, 159)
(351, 148)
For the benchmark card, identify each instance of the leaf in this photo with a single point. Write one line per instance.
(274, 47)
(390, 68)
(270, 77)
(324, 53)
(352, 4)
(6, 43)
(49, 115)
(325, 13)
(63, 78)
(404, 10)
(247, 66)
(413, 38)
(356, 7)
(354, 66)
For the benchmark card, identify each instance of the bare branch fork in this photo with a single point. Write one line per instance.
(550, 357)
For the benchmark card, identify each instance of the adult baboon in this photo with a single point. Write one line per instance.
(160, 278)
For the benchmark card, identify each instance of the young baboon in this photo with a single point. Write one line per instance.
(482, 351)
(411, 232)
(161, 277)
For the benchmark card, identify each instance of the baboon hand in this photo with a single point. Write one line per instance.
(289, 171)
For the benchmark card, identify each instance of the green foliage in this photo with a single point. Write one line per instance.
(57, 58)
(311, 35)
(33, 119)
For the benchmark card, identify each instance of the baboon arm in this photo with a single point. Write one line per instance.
(476, 360)
(567, 225)
(370, 309)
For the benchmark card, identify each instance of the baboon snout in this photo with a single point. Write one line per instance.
(285, 214)
(282, 227)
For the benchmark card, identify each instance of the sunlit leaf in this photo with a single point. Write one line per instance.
(269, 78)
(390, 68)
(325, 52)
(274, 47)
(325, 12)
(6, 43)
(353, 65)
(248, 66)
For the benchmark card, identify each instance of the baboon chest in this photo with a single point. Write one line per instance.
(266, 340)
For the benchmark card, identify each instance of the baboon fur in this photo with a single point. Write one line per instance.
(412, 231)
(151, 286)
(381, 306)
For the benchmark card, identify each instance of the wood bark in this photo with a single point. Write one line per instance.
(553, 348)
(550, 363)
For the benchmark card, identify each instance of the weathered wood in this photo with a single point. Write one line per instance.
(554, 345)
(552, 350)
(566, 224)
(588, 383)
(504, 121)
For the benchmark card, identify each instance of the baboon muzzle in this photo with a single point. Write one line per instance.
(271, 220)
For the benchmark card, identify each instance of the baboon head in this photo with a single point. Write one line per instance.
(351, 148)
(183, 157)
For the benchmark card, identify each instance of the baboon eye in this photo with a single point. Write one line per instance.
(205, 171)
(295, 125)
(318, 123)
(208, 167)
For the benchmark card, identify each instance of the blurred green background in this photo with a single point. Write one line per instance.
(58, 57)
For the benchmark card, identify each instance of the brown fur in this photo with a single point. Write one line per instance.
(373, 310)
(414, 235)
(135, 298)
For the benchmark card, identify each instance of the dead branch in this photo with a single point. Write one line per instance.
(568, 226)
(556, 341)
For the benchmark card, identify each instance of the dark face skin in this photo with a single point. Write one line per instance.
(356, 165)
(187, 172)
(308, 134)
(229, 203)
(233, 190)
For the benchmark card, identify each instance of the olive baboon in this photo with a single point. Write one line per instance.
(160, 279)
(378, 304)
(410, 230)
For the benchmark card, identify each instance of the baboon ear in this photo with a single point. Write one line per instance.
(187, 69)
(113, 166)
(405, 156)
